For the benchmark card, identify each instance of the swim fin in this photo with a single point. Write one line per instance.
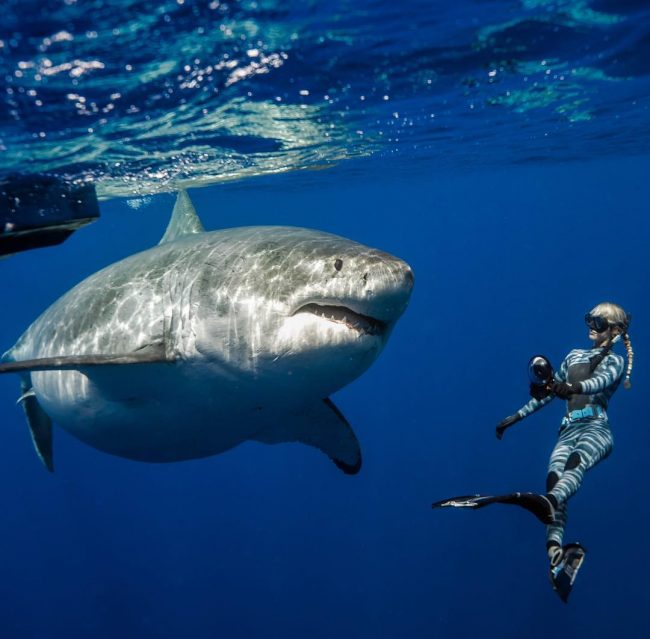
(539, 505)
(564, 574)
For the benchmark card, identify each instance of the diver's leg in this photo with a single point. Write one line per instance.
(557, 462)
(555, 531)
(594, 444)
(556, 465)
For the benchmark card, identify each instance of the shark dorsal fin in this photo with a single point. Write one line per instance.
(184, 220)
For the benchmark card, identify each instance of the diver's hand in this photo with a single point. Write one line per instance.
(565, 390)
(540, 391)
(506, 423)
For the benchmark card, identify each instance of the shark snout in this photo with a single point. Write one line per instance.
(409, 278)
(388, 289)
(368, 292)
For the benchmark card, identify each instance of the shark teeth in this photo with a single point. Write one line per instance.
(343, 315)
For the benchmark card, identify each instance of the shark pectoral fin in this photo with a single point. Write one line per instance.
(151, 354)
(323, 426)
(40, 426)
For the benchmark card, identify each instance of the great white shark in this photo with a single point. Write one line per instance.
(211, 339)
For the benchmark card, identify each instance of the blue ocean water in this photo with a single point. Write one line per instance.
(502, 149)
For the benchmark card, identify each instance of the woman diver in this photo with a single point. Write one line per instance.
(587, 379)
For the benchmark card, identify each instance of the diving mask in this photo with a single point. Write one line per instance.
(597, 323)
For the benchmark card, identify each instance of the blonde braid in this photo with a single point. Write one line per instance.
(627, 384)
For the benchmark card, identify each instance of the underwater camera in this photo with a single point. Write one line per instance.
(541, 375)
(42, 210)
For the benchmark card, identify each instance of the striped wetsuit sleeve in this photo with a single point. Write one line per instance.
(535, 404)
(607, 374)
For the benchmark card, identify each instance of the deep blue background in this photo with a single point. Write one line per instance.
(274, 541)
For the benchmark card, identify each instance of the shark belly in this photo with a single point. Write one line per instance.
(154, 413)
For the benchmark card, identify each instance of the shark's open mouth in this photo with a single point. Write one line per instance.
(343, 315)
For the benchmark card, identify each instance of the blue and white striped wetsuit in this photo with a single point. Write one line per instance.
(585, 437)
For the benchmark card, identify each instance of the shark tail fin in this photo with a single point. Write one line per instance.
(323, 426)
(40, 425)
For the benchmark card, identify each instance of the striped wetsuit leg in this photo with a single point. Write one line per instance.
(579, 448)
(555, 531)
(592, 442)
(556, 464)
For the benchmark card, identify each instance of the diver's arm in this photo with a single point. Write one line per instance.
(524, 411)
(560, 386)
(609, 373)
(533, 405)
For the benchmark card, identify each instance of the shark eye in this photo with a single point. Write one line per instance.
(338, 264)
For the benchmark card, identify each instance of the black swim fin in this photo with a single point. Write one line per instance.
(564, 574)
(539, 505)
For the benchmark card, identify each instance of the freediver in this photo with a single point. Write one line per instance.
(587, 379)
